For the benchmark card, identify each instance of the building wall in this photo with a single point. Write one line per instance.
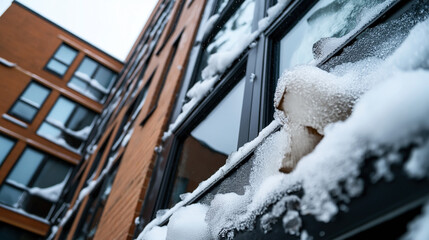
(137, 158)
(29, 41)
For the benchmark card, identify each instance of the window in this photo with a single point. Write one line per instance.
(34, 183)
(208, 145)
(9, 232)
(30, 101)
(94, 208)
(216, 125)
(68, 124)
(6, 145)
(93, 80)
(61, 60)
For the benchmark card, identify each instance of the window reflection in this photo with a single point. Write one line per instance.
(208, 145)
(6, 146)
(29, 103)
(61, 60)
(327, 19)
(228, 37)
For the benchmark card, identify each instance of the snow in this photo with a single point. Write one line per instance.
(157, 233)
(81, 134)
(210, 24)
(14, 120)
(127, 137)
(389, 104)
(7, 63)
(188, 223)
(418, 228)
(51, 193)
(418, 165)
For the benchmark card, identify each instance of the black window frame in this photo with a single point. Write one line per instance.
(9, 112)
(53, 58)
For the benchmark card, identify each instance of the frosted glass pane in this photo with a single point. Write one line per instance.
(26, 166)
(61, 111)
(66, 54)
(5, 146)
(328, 18)
(229, 37)
(36, 94)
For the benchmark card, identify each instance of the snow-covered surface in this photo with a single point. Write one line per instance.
(210, 24)
(188, 223)
(418, 228)
(7, 63)
(390, 113)
(51, 193)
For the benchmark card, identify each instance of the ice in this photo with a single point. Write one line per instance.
(418, 228)
(188, 223)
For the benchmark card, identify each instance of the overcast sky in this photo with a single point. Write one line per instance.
(111, 25)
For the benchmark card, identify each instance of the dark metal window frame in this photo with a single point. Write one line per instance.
(53, 57)
(28, 103)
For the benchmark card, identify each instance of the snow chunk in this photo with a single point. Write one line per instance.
(188, 224)
(418, 165)
(418, 228)
(210, 24)
(7, 63)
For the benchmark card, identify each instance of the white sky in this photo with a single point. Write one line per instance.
(111, 25)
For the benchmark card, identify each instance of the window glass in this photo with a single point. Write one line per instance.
(28, 104)
(207, 147)
(27, 164)
(24, 111)
(57, 67)
(61, 111)
(65, 54)
(8, 232)
(9, 195)
(228, 38)
(87, 66)
(93, 80)
(47, 129)
(6, 146)
(68, 124)
(53, 173)
(80, 119)
(327, 20)
(104, 77)
(62, 59)
(35, 94)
